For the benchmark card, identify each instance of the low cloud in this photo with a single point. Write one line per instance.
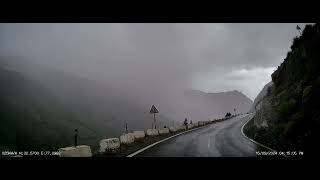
(249, 81)
(153, 58)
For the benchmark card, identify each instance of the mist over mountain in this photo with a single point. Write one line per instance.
(97, 109)
(31, 118)
(217, 104)
(98, 77)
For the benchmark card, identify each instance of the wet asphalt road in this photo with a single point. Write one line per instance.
(222, 139)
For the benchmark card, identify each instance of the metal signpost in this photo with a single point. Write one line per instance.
(154, 110)
(126, 127)
(75, 137)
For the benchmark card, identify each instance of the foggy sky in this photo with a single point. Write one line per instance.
(152, 59)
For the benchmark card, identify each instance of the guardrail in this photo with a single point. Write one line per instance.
(114, 144)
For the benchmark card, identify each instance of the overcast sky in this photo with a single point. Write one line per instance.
(154, 57)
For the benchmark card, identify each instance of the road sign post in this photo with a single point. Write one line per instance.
(154, 120)
(154, 110)
(75, 137)
(126, 127)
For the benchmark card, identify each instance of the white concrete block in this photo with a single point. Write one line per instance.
(190, 126)
(84, 150)
(152, 132)
(79, 151)
(109, 145)
(68, 152)
(183, 127)
(201, 123)
(173, 129)
(164, 131)
(138, 134)
(127, 138)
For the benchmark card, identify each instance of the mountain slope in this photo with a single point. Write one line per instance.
(101, 109)
(258, 100)
(30, 116)
(291, 109)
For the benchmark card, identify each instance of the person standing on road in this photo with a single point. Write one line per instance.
(186, 123)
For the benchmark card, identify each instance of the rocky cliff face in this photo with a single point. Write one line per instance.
(287, 110)
(263, 106)
(258, 100)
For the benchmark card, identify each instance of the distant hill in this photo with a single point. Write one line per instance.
(218, 104)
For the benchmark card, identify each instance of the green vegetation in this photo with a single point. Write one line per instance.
(31, 118)
(297, 90)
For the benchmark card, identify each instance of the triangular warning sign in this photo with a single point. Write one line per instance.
(154, 109)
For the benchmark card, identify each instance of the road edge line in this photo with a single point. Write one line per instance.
(264, 146)
(151, 145)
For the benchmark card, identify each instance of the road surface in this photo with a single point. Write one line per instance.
(222, 139)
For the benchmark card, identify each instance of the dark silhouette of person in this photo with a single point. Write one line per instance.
(186, 122)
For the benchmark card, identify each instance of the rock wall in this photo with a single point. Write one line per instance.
(287, 112)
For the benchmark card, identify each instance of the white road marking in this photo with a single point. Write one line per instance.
(209, 142)
(143, 149)
(259, 144)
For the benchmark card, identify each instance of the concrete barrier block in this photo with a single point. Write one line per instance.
(79, 151)
(152, 132)
(173, 129)
(190, 126)
(68, 152)
(201, 123)
(127, 138)
(84, 150)
(109, 145)
(164, 131)
(183, 127)
(138, 134)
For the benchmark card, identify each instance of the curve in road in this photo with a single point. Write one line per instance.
(221, 139)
